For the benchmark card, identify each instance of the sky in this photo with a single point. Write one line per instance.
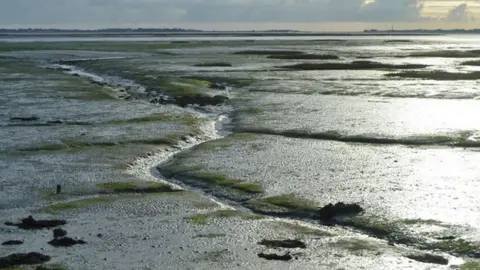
(321, 15)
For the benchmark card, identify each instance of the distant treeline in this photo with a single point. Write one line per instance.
(106, 30)
(426, 31)
(120, 30)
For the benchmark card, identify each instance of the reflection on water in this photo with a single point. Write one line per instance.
(406, 149)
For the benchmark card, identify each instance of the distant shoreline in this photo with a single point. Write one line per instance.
(178, 32)
(210, 34)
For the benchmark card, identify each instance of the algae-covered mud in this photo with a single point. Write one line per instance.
(240, 153)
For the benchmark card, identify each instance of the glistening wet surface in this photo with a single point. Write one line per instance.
(185, 155)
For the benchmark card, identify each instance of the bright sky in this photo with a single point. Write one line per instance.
(336, 15)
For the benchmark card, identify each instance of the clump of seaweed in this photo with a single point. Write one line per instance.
(471, 63)
(127, 187)
(355, 65)
(304, 56)
(213, 64)
(448, 54)
(437, 75)
(269, 52)
(202, 219)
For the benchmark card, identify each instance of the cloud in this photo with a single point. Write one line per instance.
(101, 13)
(392, 10)
(458, 14)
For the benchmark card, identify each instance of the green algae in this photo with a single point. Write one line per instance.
(437, 75)
(471, 63)
(188, 120)
(248, 187)
(77, 144)
(210, 235)
(202, 219)
(236, 82)
(201, 83)
(457, 139)
(209, 178)
(224, 143)
(471, 265)
(52, 267)
(448, 54)
(213, 64)
(303, 230)
(355, 246)
(287, 202)
(269, 52)
(421, 222)
(428, 258)
(251, 111)
(460, 247)
(79, 204)
(355, 65)
(129, 187)
(304, 57)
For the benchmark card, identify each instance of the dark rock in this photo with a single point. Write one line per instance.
(26, 118)
(200, 99)
(23, 259)
(283, 243)
(12, 243)
(55, 122)
(331, 211)
(273, 256)
(66, 242)
(99, 235)
(448, 237)
(50, 267)
(30, 223)
(218, 99)
(59, 232)
(219, 86)
(428, 258)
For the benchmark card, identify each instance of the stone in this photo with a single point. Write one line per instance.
(55, 122)
(428, 258)
(331, 211)
(273, 256)
(23, 259)
(59, 232)
(25, 118)
(283, 243)
(30, 223)
(219, 86)
(66, 242)
(12, 243)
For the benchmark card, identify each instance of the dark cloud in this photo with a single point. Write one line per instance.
(137, 12)
(458, 14)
